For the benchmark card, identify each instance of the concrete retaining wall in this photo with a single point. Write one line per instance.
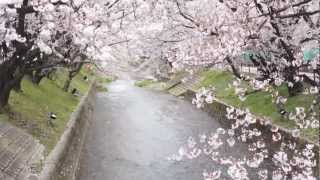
(63, 161)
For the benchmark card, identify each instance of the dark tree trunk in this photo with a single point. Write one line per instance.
(4, 94)
(17, 79)
(235, 71)
(295, 89)
(29, 74)
(50, 75)
(37, 77)
(75, 69)
(17, 83)
(9, 70)
(67, 83)
(6, 81)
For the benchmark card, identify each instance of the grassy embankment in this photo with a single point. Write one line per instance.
(151, 84)
(259, 103)
(29, 109)
(144, 83)
(101, 82)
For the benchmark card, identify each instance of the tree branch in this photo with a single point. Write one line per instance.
(185, 16)
(298, 14)
(287, 7)
(120, 42)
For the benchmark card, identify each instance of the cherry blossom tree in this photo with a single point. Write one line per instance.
(41, 35)
(290, 28)
(202, 33)
(203, 37)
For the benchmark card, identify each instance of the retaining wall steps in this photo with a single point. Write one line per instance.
(19, 153)
(175, 80)
(189, 83)
(172, 83)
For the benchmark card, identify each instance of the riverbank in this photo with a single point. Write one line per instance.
(29, 109)
(63, 161)
(259, 103)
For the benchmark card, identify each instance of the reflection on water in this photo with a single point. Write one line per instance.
(136, 131)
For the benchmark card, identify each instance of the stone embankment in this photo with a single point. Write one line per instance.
(20, 153)
(63, 161)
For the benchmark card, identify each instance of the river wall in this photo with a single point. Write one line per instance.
(63, 162)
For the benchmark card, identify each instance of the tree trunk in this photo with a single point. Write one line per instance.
(235, 71)
(17, 83)
(7, 70)
(6, 85)
(29, 74)
(17, 79)
(50, 75)
(4, 95)
(67, 83)
(75, 69)
(37, 77)
(295, 89)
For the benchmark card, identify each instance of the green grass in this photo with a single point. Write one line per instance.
(101, 83)
(144, 83)
(151, 84)
(101, 88)
(3, 118)
(29, 109)
(77, 82)
(103, 79)
(259, 103)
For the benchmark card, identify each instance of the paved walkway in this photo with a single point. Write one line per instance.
(18, 152)
(135, 130)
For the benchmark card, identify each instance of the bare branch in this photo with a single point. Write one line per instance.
(298, 14)
(120, 42)
(186, 16)
(111, 5)
(287, 7)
